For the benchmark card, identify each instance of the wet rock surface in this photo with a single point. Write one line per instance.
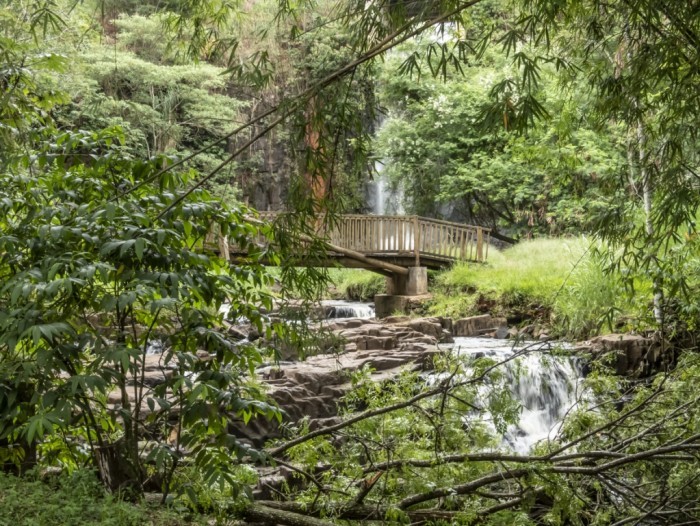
(313, 388)
(630, 354)
(484, 325)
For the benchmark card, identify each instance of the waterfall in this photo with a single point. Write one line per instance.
(155, 347)
(346, 309)
(382, 197)
(546, 386)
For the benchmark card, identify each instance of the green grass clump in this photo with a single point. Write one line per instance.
(74, 499)
(591, 301)
(560, 282)
(357, 284)
(531, 269)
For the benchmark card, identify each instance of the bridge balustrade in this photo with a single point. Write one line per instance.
(377, 235)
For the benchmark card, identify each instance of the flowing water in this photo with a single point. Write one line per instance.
(546, 386)
(382, 197)
(347, 309)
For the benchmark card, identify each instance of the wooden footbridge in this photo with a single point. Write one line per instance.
(391, 245)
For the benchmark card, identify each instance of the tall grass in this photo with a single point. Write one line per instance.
(590, 301)
(561, 279)
(533, 269)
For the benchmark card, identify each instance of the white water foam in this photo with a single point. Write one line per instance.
(547, 387)
(347, 309)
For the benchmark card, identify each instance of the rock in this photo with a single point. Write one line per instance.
(311, 389)
(634, 355)
(447, 324)
(513, 333)
(396, 319)
(380, 342)
(237, 333)
(427, 326)
(478, 325)
(527, 331)
(501, 333)
(446, 337)
(351, 323)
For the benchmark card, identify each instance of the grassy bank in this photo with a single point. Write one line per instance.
(557, 282)
(356, 284)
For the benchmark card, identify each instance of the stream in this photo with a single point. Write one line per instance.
(341, 309)
(547, 386)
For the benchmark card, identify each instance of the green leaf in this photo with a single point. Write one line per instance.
(139, 246)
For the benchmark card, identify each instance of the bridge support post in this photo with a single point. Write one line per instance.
(400, 288)
(413, 284)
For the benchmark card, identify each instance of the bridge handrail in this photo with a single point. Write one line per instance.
(402, 235)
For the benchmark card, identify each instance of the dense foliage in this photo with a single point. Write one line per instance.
(427, 453)
(118, 121)
(106, 259)
(549, 180)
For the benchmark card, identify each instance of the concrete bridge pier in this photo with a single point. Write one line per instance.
(414, 283)
(400, 289)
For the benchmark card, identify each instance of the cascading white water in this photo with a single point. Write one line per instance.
(382, 197)
(547, 387)
(347, 309)
(155, 347)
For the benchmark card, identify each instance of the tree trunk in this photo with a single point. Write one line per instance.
(648, 194)
(266, 515)
(115, 468)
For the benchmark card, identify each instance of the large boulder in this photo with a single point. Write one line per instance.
(313, 388)
(631, 354)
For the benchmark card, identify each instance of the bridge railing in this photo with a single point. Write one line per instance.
(407, 235)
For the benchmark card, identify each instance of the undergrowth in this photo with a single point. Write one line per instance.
(75, 499)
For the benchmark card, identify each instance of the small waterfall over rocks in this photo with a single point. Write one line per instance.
(346, 309)
(547, 387)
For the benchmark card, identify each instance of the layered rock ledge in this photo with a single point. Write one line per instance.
(313, 388)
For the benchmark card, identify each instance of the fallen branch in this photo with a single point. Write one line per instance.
(257, 512)
(444, 385)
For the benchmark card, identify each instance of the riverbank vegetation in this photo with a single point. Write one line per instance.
(136, 135)
(558, 283)
(356, 285)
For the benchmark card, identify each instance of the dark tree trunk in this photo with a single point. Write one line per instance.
(115, 468)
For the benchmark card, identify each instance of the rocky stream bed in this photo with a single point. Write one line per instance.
(312, 388)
